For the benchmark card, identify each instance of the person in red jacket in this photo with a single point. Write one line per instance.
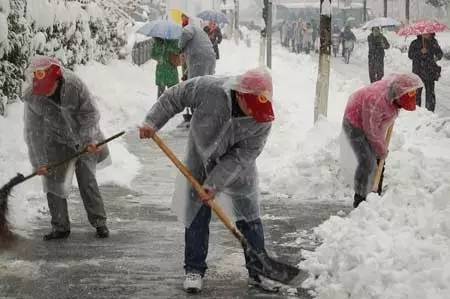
(369, 113)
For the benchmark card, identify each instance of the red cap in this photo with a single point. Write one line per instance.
(259, 107)
(44, 80)
(258, 82)
(408, 100)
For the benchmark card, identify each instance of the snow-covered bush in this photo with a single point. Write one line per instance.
(74, 32)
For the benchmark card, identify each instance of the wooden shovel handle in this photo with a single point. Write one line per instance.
(220, 213)
(379, 171)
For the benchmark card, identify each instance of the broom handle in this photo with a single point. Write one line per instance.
(220, 213)
(377, 178)
(76, 155)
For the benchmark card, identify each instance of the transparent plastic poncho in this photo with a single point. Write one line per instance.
(55, 131)
(221, 150)
(370, 111)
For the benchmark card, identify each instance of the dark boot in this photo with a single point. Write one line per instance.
(357, 200)
(102, 232)
(56, 235)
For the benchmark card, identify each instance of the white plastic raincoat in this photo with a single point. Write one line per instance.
(221, 150)
(53, 131)
(199, 51)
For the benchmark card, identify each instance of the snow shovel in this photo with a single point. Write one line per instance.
(5, 232)
(378, 180)
(260, 262)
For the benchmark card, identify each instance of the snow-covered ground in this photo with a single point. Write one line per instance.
(394, 246)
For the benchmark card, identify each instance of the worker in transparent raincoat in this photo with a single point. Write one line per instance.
(369, 113)
(61, 118)
(229, 129)
(198, 50)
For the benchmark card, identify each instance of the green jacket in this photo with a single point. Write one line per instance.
(166, 72)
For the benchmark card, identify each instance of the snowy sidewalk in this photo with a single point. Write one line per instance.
(143, 258)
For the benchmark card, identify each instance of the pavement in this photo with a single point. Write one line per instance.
(143, 258)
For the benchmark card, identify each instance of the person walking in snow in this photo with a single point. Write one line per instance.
(307, 38)
(369, 113)
(61, 118)
(165, 52)
(347, 36)
(229, 129)
(199, 53)
(377, 44)
(424, 52)
(298, 36)
(215, 36)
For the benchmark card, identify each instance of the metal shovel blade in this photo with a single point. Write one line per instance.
(264, 265)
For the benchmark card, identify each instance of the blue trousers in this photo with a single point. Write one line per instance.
(197, 238)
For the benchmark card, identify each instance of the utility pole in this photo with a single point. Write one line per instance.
(385, 8)
(269, 34)
(365, 11)
(323, 77)
(236, 15)
(407, 11)
(236, 32)
(265, 54)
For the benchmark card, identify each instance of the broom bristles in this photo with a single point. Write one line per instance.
(6, 234)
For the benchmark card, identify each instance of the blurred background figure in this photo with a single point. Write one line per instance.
(166, 53)
(307, 38)
(377, 44)
(424, 52)
(215, 36)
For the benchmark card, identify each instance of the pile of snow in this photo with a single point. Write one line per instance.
(396, 246)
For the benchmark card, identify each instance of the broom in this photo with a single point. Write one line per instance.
(5, 232)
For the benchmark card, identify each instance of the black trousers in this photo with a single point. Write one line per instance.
(161, 90)
(376, 69)
(430, 96)
(366, 157)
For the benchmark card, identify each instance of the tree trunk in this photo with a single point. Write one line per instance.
(323, 77)
(269, 34)
(407, 6)
(448, 14)
(385, 8)
(236, 22)
(365, 11)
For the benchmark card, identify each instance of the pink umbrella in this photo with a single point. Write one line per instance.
(422, 27)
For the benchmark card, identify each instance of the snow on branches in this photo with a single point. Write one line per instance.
(438, 3)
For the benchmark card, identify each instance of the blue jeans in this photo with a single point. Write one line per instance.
(197, 238)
